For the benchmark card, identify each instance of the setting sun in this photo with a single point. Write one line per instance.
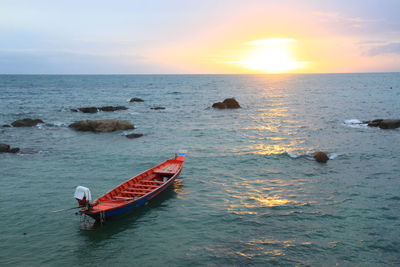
(271, 56)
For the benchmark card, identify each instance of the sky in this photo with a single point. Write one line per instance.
(199, 37)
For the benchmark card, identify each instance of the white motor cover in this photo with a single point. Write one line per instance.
(81, 192)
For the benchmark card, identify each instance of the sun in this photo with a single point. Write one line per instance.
(271, 56)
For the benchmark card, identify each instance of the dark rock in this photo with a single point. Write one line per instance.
(374, 123)
(219, 105)
(136, 99)
(158, 108)
(389, 124)
(111, 108)
(88, 110)
(26, 122)
(384, 124)
(6, 125)
(101, 125)
(134, 135)
(321, 157)
(231, 103)
(74, 110)
(4, 148)
(14, 150)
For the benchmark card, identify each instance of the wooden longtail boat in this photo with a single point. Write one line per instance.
(133, 193)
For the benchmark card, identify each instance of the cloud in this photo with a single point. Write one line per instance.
(356, 22)
(338, 17)
(391, 48)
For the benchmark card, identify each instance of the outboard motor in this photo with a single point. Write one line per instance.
(83, 196)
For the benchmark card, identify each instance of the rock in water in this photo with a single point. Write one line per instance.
(134, 135)
(14, 150)
(374, 123)
(88, 110)
(384, 124)
(6, 125)
(321, 157)
(229, 103)
(136, 99)
(4, 148)
(219, 105)
(389, 124)
(26, 122)
(101, 125)
(157, 108)
(111, 108)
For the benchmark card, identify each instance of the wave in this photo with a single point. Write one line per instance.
(57, 124)
(355, 123)
(333, 156)
(308, 156)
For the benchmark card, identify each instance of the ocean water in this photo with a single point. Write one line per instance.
(249, 193)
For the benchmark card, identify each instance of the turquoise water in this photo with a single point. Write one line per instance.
(248, 194)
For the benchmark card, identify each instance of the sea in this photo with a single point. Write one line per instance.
(250, 193)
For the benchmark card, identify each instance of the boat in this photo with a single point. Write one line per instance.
(133, 193)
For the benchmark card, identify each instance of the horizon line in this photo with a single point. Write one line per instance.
(272, 74)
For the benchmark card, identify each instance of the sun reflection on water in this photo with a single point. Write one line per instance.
(273, 201)
(276, 149)
(177, 187)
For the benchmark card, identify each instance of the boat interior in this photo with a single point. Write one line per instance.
(139, 186)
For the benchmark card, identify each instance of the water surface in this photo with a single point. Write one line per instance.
(248, 194)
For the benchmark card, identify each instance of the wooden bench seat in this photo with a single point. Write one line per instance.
(138, 189)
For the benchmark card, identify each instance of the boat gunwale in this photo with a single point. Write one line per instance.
(130, 202)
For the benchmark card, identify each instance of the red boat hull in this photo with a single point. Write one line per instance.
(136, 191)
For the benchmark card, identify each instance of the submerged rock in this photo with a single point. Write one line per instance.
(158, 108)
(384, 123)
(27, 122)
(96, 109)
(88, 109)
(111, 108)
(136, 99)
(228, 103)
(134, 135)
(101, 125)
(4, 148)
(321, 157)
(14, 150)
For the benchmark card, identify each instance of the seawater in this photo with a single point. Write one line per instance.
(249, 193)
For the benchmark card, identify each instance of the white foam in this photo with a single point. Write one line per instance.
(59, 124)
(333, 156)
(354, 123)
(292, 155)
(40, 125)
